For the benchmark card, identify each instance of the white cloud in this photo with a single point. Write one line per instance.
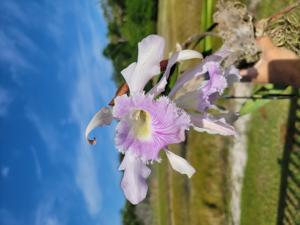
(45, 213)
(86, 172)
(93, 82)
(14, 10)
(82, 104)
(10, 53)
(48, 133)
(52, 221)
(55, 24)
(87, 180)
(16, 49)
(37, 163)
(5, 171)
(7, 218)
(19, 49)
(24, 41)
(42, 216)
(5, 101)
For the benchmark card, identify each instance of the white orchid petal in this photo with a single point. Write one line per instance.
(180, 164)
(176, 57)
(151, 50)
(185, 55)
(128, 71)
(212, 125)
(150, 53)
(102, 117)
(134, 180)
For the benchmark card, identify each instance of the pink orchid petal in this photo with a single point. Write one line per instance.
(216, 82)
(102, 117)
(134, 180)
(150, 53)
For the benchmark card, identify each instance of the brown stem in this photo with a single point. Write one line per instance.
(284, 11)
(197, 38)
(123, 89)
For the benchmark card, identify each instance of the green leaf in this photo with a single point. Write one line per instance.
(253, 105)
(172, 79)
(261, 93)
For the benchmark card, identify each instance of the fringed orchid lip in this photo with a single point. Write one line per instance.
(147, 125)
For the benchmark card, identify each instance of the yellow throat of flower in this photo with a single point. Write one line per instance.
(141, 124)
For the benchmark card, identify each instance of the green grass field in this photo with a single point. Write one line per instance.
(204, 200)
(266, 138)
(260, 193)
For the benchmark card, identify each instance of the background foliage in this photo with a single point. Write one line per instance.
(129, 21)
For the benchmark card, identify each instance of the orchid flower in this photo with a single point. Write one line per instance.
(146, 124)
(203, 97)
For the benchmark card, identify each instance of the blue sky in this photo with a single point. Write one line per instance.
(53, 79)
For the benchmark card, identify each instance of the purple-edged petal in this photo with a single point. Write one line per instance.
(176, 57)
(146, 125)
(102, 117)
(134, 180)
(219, 55)
(150, 53)
(199, 70)
(204, 97)
(180, 164)
(216, 82)
(211, 125)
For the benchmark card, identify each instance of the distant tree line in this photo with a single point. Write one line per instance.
(129, 216)
(128, 22)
